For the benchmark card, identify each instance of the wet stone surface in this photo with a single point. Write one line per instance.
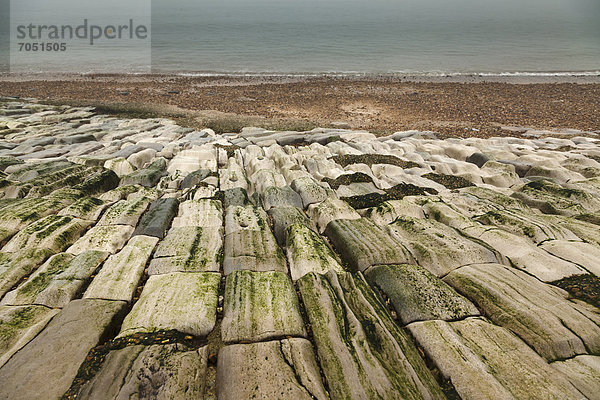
(142, 259)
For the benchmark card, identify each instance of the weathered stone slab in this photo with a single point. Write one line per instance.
(158, 372)
(388, 211)
(54, 233)
(583, 372)
(100, 181)
(499, 174)
(67, 284)
(485, 361)
(88, 208)
(38, 281)
(119, 193)
(585, 231)
(110, 238)
(119, 166)
(524, 255)
(580, 253)
(363, 353)
(148, 176)
(539, 314)
(188, 249)
(245, 218)
(193, 179)
(158, 218)
(362, 244)
(265, 178)
(234, 197)
(283, 369)
(19, 213)
(260, 306)
(55, 355)
(253, 251)
(284, 217)
(438, 247)
(310, 191)
(125, 212)
(551, 198)
(19, 325)
(330, 210)
(233, 176)
(186, 302)
(418, 295)
(307, 252)
(274, 196)
(525, 224)
(15, 266)
(204, 213)
(204, 191)
(141, 158)
(119, 277)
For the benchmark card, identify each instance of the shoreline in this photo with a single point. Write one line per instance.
(458, 106)
(579, 77)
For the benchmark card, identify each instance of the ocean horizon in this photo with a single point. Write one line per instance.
(354, 37)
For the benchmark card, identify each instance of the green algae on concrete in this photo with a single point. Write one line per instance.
(418, 295)
(53, 232)
(260, 306)
(284, 369)
(362, 244)
(185, 302)
(203, 213)
(330, 210)
(188, 249)
(583, 372)
(282, 218)
(485, 361)
(387, 212)
(109, 238)
(148, 176)
(67, 284)
(363, 353)
(27, 292)
(525, 224)
(438, 247)
(47, 365)
(308, 252)
(552, 198)
(19, 325)
(538, 313)
(15, 266)
(125, 212)
(88, 208)
(253, 250)
(157, 371)
(310, 191)
(121, 273)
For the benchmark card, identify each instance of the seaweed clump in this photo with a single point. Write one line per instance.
(450, 181)
(370, 159)
(397, 192)
(347, 179)
(582, 287)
